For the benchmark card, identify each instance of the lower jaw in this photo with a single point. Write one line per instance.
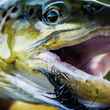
(87, 102)
(78, 75)
(92, 57)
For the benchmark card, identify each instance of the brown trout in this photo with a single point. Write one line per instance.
(56, 52)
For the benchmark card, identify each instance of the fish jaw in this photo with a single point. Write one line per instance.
(16, 75)
(43, 63)
(41, 37)
(89, 89)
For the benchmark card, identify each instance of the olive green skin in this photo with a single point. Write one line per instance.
(20, 49)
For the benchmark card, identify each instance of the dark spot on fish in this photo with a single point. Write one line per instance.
(68, 99)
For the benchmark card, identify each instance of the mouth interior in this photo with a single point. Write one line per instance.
(91, 56)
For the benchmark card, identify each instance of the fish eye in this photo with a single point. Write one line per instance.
(52, 16)
(53, 12)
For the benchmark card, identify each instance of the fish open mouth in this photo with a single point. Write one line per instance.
(91, 56)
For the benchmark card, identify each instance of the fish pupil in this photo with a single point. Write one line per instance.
(52, 16)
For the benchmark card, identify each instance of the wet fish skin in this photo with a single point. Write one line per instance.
(23, 62)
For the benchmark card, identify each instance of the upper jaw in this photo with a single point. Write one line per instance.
(73, 34)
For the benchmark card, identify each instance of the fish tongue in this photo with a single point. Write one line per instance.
(99, 65)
